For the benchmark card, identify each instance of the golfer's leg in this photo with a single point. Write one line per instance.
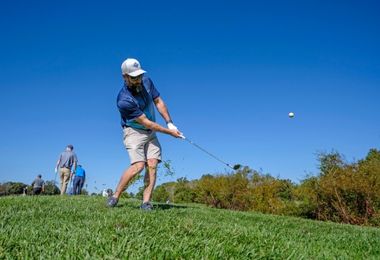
(80, 185)
(127, 177)
(75, 185)
(62, 177)
(66, 179)
(146, 176)
(134, 141)
(152, 170)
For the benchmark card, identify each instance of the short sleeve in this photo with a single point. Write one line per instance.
(129, 110)
(75, 158)
(152, 89)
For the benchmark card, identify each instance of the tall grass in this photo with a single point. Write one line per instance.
(54, 227)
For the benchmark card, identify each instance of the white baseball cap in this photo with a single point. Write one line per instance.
(131, 67)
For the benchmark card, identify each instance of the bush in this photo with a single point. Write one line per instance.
(341, 192)
(245, 190)
(223, 191)
(12, 188)
(345, 192)
(50, 188)
(160, 194)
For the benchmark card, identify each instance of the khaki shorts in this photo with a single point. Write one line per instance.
(141, 145)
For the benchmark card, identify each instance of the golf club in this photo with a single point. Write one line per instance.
(55, 178)
(235, 167)
(70, 190)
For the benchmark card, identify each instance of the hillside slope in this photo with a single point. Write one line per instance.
(82, 227)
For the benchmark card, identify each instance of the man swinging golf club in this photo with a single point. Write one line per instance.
(136, 102)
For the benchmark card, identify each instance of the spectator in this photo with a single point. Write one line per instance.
(66, 164)
(79, 179)
(38, 185)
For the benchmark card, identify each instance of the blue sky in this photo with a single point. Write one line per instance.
(229, 71)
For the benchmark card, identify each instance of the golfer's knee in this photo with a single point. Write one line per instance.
(152, 165)
(152, 169)
(137, 167)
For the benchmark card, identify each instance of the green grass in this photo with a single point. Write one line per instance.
(54, 227)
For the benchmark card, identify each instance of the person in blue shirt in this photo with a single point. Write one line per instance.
(136, 102)
(79, 179)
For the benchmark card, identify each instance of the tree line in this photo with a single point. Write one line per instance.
(19, 188)
(345, 192)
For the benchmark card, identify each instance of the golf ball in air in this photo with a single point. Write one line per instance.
(291, 114)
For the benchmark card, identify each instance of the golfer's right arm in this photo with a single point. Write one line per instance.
(56, 166)
(143, 120)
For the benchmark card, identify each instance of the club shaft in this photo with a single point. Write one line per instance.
(210, 154)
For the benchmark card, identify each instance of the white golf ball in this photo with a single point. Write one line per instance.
(291, 114)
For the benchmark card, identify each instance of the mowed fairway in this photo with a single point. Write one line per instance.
(53, 227)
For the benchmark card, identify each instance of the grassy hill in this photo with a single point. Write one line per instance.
(54, 227)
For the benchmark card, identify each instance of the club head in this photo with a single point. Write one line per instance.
(236, 167)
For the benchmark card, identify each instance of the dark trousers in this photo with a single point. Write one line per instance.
(37, 191)
(78, 185)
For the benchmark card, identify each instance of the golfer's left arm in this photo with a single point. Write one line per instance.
(56, 166)
(162, 109)
(74, 165)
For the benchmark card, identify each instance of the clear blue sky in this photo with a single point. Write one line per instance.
(229, 71)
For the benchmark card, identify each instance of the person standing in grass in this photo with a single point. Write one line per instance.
(66, 165)
(136, 102)
(38, 185)
(79, 179)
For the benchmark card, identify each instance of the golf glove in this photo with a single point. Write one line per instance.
(171, 126)
(56, 170)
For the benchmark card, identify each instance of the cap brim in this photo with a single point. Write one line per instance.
(136, 73)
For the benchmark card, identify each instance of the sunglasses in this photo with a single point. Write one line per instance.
(135, 78)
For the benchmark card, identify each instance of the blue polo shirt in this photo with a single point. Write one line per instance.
(80, 172)
(132, 104)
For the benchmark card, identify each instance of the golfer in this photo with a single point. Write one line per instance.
(136, 101)
(66, 165)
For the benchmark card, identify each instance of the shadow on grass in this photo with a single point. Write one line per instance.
(164, 206)
(157, 206)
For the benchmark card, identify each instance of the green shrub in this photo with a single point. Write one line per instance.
(345, 192)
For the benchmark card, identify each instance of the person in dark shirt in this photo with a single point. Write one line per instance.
(38, 185)
(66, 165)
